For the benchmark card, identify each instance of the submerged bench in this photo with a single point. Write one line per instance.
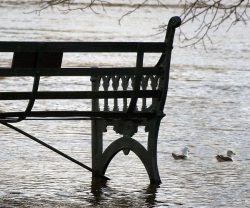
(126, 114)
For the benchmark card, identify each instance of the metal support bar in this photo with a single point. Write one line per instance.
(53, 149)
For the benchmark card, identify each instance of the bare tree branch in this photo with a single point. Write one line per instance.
(137, 6)
(209, 15)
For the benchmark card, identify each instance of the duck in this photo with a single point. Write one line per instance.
(183, 156)
(228, 158)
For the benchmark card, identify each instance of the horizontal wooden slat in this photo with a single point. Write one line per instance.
(7, 72)
(81, 46)
(77, 114)
(79, 94)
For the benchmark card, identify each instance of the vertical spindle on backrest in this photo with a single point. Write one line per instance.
(115, 85)
(105, 85)
(144, 85)
(125, 80)
(154, 86)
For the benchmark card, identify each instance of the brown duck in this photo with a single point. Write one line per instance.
(183, 156)
(227, 158)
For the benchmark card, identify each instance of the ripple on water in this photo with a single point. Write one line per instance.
(207, 109)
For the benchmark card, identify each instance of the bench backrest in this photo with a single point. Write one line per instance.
(121, 86)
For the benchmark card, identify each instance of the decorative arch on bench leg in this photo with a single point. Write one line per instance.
(148, 157)
(133, 145)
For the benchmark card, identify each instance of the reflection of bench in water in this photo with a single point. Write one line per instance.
(122, 87)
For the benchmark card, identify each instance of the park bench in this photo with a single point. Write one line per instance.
(121, 86)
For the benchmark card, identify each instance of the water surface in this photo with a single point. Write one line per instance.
(207, 109)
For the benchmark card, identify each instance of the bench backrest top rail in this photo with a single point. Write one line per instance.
(150, 47)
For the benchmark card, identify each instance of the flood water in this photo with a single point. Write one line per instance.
(208, 110)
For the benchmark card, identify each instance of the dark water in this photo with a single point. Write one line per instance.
(207, 109)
